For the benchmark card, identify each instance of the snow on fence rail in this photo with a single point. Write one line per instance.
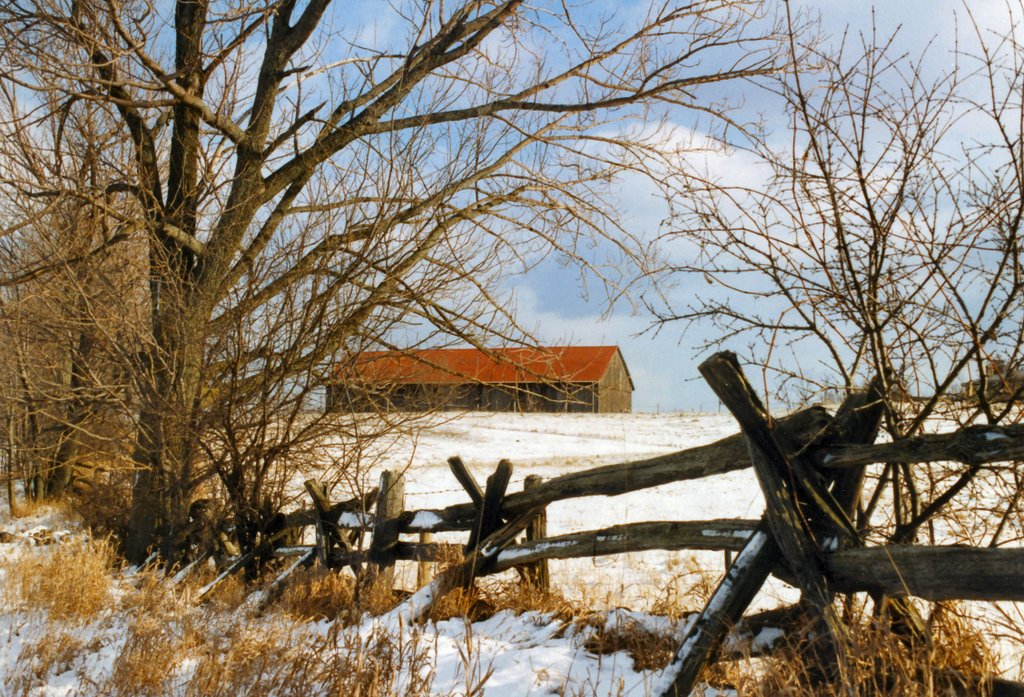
(810, 466)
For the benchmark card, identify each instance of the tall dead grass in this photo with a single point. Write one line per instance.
(51, 654)
(287, 660)
(957, 660)
(71, 581)
(319, 594)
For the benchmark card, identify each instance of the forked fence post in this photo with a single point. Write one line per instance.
(321, 505)
(537, 572)
(488, 518)
(764, 551)
(390, 506)
(787, 484)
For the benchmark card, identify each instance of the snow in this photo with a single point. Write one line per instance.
(425, 520)
(515, 656)
(552, 445)
(352, 519)
(512, 554)
(739, 534)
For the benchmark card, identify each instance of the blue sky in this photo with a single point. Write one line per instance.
(664, 363)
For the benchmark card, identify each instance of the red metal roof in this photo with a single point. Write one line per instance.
(502, 365)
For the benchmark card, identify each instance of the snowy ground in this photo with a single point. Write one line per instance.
(549, 446)
(530, 654)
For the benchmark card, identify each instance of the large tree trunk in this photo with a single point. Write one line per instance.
(165, 446)
(161, 492)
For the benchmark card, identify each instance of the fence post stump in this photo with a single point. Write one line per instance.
(424, 569)
(537, 572)
(390, 505)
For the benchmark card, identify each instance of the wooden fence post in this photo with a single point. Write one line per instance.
(488, 515)
(537, 572)
(784, 482)
(390, 505)
(488, 518)
(425, 568)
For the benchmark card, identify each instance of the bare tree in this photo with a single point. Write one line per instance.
(63, 314)
(278, 157)
(883, 244)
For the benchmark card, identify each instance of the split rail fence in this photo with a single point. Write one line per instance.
(810, 466)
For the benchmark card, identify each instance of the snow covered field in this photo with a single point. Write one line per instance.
(549, 446)
(512, 656)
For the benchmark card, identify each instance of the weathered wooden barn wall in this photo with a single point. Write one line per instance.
(523, 397)
(615, 390)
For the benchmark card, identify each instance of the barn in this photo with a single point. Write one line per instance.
(582, 379)
(1003, 382)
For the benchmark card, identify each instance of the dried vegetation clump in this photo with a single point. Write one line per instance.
(71, 581)
(882, 662)
(144, 665)
(286, 660)
(319, 594)
(52, 654)
(649, 649)
(488, 597)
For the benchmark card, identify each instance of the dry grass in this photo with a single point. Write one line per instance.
(25, 507)
(276, 653)
(954, 663)
(375, 595)
(161, 631)
(227, 596)
(319, 594)
(51, 654)
(649, 650)
(72, 582)
(489, 596)
(278, 658)
(881, 664)
(144, 664)
(686, 592)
